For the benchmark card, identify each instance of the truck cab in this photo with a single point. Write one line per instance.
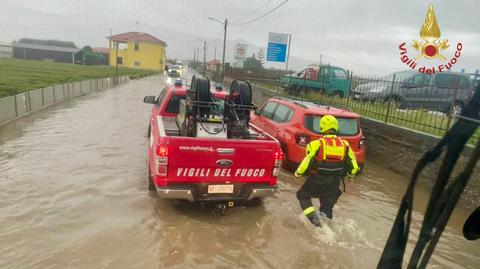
(331, 80)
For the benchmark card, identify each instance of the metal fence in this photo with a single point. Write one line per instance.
(17, 105)
(412, 100)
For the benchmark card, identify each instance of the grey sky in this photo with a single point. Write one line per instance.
(358, 35)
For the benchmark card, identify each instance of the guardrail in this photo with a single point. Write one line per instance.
(12, 107)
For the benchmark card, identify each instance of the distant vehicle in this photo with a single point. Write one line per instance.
(381, 88)
(295, 123)
(331, 80)
(173, 72)
(203, 148)
(443, 92)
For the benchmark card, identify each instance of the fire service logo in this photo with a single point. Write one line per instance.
(430, 47)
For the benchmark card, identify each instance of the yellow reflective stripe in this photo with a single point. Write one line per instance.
(353, 159)
(324, 149)
(308, 211)
(311, 150)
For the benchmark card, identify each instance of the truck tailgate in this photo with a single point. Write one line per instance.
(193, 160)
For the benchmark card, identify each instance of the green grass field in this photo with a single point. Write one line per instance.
(17, 75)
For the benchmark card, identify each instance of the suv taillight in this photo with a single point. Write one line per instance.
(361, 143)
(302, 139)
(161, 161)
(278, 156)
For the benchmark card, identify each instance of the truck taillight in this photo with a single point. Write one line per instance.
(277, 163)
(161, 161)
(302, 139)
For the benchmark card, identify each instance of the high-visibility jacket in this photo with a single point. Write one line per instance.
(329, 155)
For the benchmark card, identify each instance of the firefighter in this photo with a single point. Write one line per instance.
(328, 160)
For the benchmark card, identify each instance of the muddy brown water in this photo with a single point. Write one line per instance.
(73, 182)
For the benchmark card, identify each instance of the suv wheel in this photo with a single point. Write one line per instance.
(457, 109)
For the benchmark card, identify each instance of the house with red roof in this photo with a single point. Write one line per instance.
(137, 50)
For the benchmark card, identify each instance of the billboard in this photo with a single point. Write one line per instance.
(277, 47)
(240, 54)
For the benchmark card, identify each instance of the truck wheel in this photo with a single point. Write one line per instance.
(151, 186)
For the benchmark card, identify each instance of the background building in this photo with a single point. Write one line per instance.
(45, 50)
(137, 50)
(6, 50)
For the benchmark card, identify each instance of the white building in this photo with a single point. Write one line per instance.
(6, 50)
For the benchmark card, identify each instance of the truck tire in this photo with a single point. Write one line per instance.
(151, 186)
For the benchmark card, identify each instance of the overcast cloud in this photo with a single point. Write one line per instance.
(359, 35)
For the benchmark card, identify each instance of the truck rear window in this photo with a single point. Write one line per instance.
(346, 126)
(173, 105)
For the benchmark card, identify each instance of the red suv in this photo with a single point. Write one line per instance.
(295, 123)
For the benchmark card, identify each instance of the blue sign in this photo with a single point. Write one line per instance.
(276, 52)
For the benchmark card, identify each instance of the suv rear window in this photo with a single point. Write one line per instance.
(346, 126)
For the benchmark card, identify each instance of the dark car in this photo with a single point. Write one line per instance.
(444, 92)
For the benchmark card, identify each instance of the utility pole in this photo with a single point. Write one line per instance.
(320, 64)
(224, 45)
(116, 63)
(194, 56)
(215, 54)
(204, 58)
(138, 25)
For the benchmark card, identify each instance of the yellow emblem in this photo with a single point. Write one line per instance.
(431, 45)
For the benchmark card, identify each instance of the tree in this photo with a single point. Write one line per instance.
(252, 64)
(261, 56)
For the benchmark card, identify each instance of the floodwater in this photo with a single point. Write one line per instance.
(73, 185)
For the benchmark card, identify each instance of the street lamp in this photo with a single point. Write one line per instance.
(224, 42)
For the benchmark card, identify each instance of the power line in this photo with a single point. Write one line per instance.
(258, 18)
(50, 29)
(260, 7)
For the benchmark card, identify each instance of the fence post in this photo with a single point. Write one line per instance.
(350, 79)
(53, 92)
(450, 116)
(15, 100)
(390, 99)
(43, 97)
(29, 104)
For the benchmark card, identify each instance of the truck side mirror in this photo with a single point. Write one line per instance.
(149, 99)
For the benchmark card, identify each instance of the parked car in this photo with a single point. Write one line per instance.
(443, 92)
(329, 79)
(210, 165)
(379, 89)
(295, 123)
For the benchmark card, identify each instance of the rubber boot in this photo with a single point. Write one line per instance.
(313, 217)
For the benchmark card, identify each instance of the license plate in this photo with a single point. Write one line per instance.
(220, 189)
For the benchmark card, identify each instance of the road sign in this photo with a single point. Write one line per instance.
(277, 47)
(240, 54)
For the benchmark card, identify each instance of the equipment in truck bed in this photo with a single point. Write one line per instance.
(202, 115)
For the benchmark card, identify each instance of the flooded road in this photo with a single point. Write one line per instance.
(73, 184)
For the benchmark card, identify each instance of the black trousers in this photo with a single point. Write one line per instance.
(325, 188)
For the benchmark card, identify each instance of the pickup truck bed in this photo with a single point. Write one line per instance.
(209, 167)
